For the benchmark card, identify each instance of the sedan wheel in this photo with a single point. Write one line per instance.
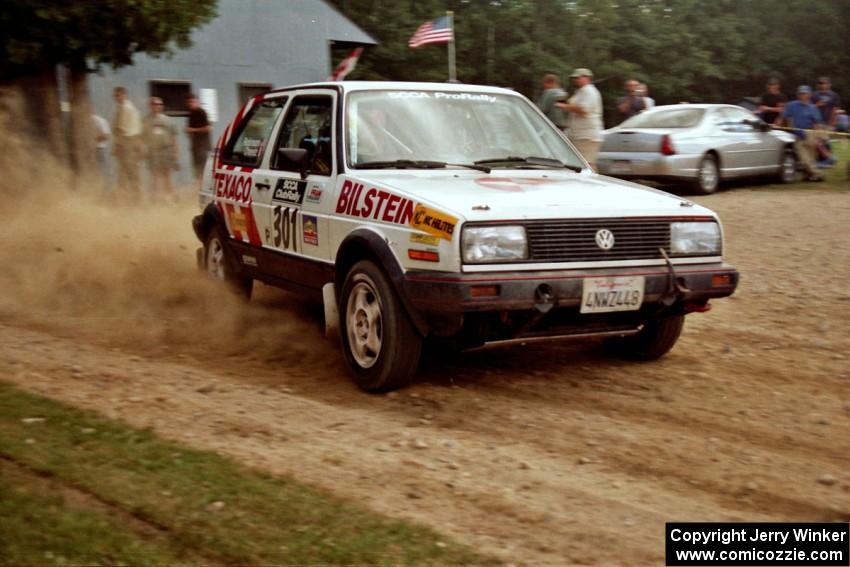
(788, 168)
(708, 176)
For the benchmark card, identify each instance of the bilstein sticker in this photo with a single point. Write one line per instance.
(433, 222)
(425, 239)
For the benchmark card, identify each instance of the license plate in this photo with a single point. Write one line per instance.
(621, 166)
(607, 294)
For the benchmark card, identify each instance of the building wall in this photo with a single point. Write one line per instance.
(279, 42)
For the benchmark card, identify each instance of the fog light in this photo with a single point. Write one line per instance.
(721, 280)
(423, 255)
(484, 291)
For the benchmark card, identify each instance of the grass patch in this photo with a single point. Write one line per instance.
(195, 506)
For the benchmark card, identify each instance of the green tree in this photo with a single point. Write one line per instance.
(82, 35)
(686, 50)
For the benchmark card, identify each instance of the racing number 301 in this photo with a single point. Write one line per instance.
(285, 222)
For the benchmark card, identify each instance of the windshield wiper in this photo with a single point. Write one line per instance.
(531, 160)
(417, 164)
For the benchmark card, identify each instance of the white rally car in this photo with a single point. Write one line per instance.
(450, 212)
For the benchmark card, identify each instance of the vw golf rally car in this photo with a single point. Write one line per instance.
(451, 212)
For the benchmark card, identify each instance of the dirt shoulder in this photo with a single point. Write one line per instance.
(541, 454)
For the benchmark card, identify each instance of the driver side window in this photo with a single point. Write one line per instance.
(308, 125)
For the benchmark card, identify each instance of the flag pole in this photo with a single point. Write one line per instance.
(452, 72)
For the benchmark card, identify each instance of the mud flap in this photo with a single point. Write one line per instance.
(331, 311)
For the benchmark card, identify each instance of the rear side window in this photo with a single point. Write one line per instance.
(672, 118)
(308, 125)
(248, 143)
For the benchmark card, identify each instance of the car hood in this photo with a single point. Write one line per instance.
(530, 194)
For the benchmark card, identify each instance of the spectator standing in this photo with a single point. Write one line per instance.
(644, 92)
(772, 102)
(198, 130)
(803, 115)
(551, 95)
(827, 101)
(127, 130)
(585, 115)
(633, 103)
(102, 134)
(161, 145)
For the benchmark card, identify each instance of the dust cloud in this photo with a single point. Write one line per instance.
(84, 263)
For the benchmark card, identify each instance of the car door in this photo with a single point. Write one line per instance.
(763, 150)
(296, 210)
(734, 141)
(238, 194)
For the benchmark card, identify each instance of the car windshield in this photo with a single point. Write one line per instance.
(405, 128)
(666, 118)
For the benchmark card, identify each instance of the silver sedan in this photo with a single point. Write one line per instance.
(698, 144)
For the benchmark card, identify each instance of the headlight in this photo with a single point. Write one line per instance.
(494, 243)
(694, 238)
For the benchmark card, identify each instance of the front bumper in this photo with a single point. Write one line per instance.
(468, 292)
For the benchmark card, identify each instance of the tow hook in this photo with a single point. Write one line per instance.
(674, 286)
(544, 298)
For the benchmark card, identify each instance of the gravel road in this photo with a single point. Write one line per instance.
(545, 454)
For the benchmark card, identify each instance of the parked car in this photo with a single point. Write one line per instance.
(417, 211)
(698, 144)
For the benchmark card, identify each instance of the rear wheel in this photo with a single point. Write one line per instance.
(379, 341)
(217, 264)
(652, 342)
(788, 167)
(708, 176)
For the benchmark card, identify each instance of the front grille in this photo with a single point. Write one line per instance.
(574, 240)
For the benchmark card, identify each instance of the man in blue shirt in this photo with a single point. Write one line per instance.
(804, 115)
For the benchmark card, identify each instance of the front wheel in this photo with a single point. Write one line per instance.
(381, 346)
(652, 342)
(708, 176)
(788, 167)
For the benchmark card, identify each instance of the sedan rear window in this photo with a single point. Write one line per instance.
(672, 118)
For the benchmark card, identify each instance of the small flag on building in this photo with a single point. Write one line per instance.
(436, 31)
(346, 66)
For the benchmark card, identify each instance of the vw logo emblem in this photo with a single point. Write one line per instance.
(605, 239)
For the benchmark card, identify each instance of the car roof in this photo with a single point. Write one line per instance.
(701, 106)
(350, 86)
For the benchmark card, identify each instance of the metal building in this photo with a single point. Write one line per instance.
(251, 46)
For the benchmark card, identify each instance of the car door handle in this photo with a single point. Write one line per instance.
(263, 186)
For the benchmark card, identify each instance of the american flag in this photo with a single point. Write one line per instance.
(437, 31)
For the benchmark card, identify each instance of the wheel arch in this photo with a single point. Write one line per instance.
(365, 244)
(203, 223)
(718, 158)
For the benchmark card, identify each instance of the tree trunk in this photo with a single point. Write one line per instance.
(82, 134)
(42, 120)
(34, 152)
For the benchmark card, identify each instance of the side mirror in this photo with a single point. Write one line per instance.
(758, 125)
(293, 158)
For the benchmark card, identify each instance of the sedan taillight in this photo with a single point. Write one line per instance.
(667, 148)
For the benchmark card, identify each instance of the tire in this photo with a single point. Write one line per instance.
(218, 264)
(380, 344)
(708, 176)
(651, 343)
(787, 167)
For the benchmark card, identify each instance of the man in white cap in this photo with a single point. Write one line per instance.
(585, 115)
